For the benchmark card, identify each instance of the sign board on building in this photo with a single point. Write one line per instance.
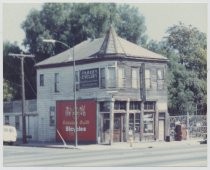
(89, 78)
(86, 123)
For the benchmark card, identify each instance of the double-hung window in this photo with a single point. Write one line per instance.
(56, 83)
(121, 77)
(41, 79)
(102, 78)
(160, 79)
(147, 79)
(111, 83)
(135, 79)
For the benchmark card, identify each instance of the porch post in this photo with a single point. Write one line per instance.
(111, 120)
(156, 130)
(127, 119)
(142, 121)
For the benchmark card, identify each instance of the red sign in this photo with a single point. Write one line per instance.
(86, 120)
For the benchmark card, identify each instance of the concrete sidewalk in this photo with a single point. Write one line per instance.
(118, 145)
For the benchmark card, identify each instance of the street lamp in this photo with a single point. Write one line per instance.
(74, 84)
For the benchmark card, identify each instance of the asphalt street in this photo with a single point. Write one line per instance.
(184, 156)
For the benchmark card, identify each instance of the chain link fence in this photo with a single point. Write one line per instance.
(196, 125)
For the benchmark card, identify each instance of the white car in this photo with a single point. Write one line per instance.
(9, 134)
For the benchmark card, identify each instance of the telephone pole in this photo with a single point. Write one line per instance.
(22, 57)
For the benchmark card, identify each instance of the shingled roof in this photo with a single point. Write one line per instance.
(110, 44)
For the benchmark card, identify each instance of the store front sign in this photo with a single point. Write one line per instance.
(86, 120)
(89, 78)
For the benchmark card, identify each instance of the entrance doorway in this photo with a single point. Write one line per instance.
(161, 129)
(119, 128)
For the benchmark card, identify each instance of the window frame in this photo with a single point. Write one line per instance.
(121, 77)
(160, 79)
(52, 116)
(41, 80)
(103, 78)
(148, 79)
(56, 83)
(135, 80)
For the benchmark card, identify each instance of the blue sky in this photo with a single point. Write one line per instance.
(158, 17)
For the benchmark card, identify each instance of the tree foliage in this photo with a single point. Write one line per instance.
(186, 49)
(11, 72)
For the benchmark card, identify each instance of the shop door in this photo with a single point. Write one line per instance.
(119, 129)
(161, 129)
(106, 126)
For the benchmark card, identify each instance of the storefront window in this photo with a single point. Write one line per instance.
(134, 122)
(131, 121)
(120, 105)
(137, 122)
(149, 106)
(135, 105)
(104, 106)
(148, 123)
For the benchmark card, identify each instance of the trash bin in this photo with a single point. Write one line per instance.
(178, 133)
(168, 139)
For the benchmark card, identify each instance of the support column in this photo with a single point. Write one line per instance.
(156, 130)
(127, 119)
(111, 129)
(142, 121)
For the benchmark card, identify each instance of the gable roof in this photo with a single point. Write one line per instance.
(110, 44)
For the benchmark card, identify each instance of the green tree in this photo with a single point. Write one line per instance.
(186, 49)
(11, 72)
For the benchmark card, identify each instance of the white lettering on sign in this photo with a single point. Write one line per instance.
(72, 129)
(69, 111)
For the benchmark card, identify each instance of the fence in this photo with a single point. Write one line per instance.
(197, 125)
(16, 106)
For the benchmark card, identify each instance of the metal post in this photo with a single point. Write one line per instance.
(75, 101)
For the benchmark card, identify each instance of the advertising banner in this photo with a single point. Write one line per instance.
(86, 120)
(89, 78)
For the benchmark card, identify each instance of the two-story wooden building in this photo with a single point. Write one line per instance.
(120, 86)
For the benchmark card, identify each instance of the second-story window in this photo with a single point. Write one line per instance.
(41, 79)
(121, 77)
(147, 79)
(111, 82)
(56, 83)
(135, 80)
(102, 78)
(160, 79)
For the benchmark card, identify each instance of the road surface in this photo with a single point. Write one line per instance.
(189, 156)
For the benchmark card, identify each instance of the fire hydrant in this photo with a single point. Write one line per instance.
(130, 133)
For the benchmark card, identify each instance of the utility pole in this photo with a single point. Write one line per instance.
(22, 57)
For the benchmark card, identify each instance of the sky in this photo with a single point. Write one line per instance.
(158, 17)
